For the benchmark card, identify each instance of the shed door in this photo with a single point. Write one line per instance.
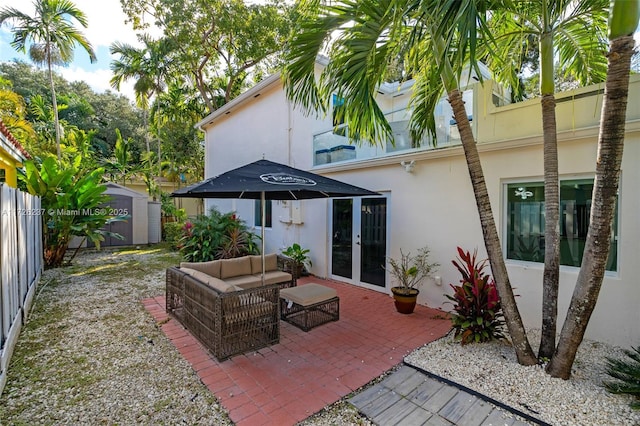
(119, 203)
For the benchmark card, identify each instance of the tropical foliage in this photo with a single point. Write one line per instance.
(217, 236)
(626, 375)
(72, 204)
(477, 312)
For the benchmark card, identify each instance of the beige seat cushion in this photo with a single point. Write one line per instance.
(270, 263)
(308, 294)
(244, 281)
(235, 267)
(274, 277)
(211, 268)
(213, 282)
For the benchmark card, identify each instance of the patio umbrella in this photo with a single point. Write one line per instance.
(265, 180)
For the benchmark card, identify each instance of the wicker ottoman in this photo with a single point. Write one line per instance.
(309, 305)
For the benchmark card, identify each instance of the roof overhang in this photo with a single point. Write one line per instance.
(11, 145)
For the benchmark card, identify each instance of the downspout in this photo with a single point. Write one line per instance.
(289, 131)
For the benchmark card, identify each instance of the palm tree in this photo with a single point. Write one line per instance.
(173, 116)
(51, 37)
(148, 66)
(369, 35)
(571, 34)
(623, 21)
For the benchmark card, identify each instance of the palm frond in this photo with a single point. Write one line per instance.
(626, 373)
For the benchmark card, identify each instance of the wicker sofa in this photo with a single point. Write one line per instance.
(230, 313)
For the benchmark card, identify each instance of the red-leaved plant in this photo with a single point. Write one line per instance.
(478, 314)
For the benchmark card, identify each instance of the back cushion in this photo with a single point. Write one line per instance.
(270, 263)
(235, 267)
(210, 268)
(212, 282)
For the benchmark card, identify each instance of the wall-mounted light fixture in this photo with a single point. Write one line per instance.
(408, 165)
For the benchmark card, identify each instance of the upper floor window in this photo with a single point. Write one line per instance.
(268, 215)
(526, 222)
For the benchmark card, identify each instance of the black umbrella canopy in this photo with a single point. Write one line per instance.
(266, 180)
(276, 181)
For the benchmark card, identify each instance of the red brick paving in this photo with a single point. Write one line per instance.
(287, 382)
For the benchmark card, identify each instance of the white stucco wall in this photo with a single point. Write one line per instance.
(435, 205)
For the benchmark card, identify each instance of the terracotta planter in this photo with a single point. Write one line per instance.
(405, 300)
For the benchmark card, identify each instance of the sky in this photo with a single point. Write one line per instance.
(106, 25)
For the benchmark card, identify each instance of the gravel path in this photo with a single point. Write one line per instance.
(91, 354)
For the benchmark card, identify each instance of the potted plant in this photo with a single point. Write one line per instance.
(299, 258)
(408, 272)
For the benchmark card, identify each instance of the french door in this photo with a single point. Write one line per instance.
(359, 241)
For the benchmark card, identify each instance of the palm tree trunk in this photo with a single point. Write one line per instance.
(55, 109)
(551, 274)
(145, 119)
(596, 251)
(518, 334)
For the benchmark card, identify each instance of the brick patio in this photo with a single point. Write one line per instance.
(288, 382)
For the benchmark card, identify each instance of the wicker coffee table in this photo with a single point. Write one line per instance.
(309, 305)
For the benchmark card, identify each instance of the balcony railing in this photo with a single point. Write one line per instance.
(334, 146)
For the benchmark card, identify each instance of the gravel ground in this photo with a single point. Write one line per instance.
(91, 354)
(492, 369)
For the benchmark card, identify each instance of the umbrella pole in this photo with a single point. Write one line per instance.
(263, 211)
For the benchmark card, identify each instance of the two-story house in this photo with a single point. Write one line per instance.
(426, 196)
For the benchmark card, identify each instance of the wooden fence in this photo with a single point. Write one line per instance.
(21, 267)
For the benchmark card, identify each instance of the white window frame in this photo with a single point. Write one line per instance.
(538, 179)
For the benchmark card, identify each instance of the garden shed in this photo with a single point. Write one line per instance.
(127, 202)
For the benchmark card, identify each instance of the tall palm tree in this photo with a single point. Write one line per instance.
(51, 37)
(572, 35)
(148, 66)
(623, 21)
(367, 36)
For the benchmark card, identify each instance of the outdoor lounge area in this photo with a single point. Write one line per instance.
(289, 381)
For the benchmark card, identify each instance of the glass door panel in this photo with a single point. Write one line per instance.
(373, 241)
(342, 240)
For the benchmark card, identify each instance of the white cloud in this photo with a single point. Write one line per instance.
(106, 22)
(97, 79)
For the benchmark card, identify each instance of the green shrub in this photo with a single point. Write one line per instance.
(217, 236)
(626, 373)
(172, 233)
(478, 314)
